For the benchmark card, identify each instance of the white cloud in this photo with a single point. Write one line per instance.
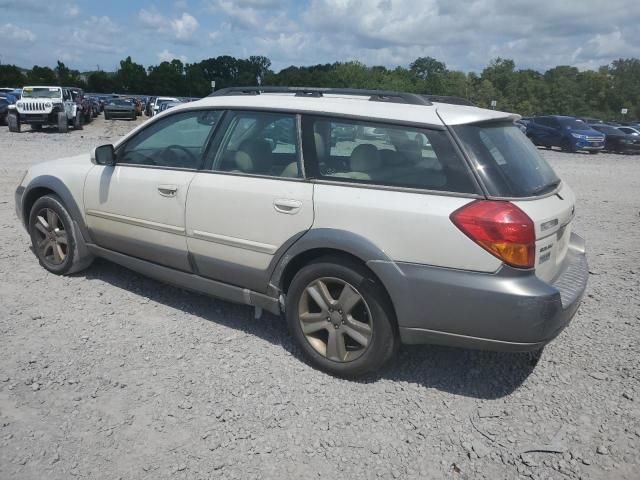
(16, 34)
(181, 28)
(184, 27)
(72, 10)
(167, 56)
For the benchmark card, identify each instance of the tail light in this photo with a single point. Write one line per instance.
(501, 228)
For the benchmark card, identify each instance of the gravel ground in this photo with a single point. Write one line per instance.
(108, 374)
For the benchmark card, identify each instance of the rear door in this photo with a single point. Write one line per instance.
(250, 202)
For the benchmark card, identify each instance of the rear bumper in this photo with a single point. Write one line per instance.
(511, 310)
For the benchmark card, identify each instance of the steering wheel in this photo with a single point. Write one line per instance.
(193, 160)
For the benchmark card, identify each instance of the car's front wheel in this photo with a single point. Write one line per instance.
(54, 238)
(14, 123)
(340, 316)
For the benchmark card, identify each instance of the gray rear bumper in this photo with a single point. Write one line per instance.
(508, 310)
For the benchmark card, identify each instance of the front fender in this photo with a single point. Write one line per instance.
(37, 186)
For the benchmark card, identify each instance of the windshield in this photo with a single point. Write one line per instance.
(573, 124)
(41, 92)
(506, 160)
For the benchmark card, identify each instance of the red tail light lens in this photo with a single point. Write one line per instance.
(501, 228)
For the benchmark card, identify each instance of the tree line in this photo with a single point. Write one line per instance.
(600, 93)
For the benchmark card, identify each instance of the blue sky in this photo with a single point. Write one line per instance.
(465, 34)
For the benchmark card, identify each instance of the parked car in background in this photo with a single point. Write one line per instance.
(618, 140)
(43, 106)
(120, 108)
(83, 103)
(629, 130)
(136, 104)
(167, 105)
(158, 102)
(522, 124)
(567, 133)
(361, 246)
(95, 106)
(148, 108)
(4, 109)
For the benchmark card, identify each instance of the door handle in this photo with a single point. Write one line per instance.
(284, 205)
(167, 190)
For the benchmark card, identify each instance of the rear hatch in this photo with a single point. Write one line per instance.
(510, 168)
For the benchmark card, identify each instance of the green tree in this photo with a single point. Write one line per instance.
(131, 77)
(11, 76)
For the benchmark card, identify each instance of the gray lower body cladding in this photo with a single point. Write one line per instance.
(509, 310)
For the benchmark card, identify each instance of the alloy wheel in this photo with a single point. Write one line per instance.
(52, 240)
(335, 319)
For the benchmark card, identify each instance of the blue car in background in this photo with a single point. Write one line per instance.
(567, 133)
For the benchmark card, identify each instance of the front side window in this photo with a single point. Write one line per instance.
(176, 141)
(260, 143)
(359, 151)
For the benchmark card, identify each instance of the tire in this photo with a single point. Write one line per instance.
(63, 123)
(50, 226)
(107, 116)
(535, 356)
(77, 121)
(13, 122)
(568, 147)
(370, 318)
(134, 116)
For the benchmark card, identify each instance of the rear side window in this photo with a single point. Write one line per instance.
(506, 160)
(375, 153)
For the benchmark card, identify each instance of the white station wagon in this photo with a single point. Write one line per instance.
(368, 218)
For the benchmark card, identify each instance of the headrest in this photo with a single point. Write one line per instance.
(365, 158)
(390, 157)
(254, 156)
(321, 149)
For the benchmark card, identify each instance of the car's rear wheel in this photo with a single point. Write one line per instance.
(13, 122)
(340, 316)
(54, 238)
(107, 116)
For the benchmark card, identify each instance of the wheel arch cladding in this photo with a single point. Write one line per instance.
(324, 242)
(47, 185)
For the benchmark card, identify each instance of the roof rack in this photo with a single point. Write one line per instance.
(449, 99)
(374, 95)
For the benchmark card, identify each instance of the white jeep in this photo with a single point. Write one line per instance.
(368, 218)
(45, 106)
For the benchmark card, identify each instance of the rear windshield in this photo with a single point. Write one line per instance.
(506, 161)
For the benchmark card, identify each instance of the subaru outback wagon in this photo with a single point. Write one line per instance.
(368, 218)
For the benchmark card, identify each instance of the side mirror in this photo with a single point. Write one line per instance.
(103, 155)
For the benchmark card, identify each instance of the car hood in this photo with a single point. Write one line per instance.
(588, 132)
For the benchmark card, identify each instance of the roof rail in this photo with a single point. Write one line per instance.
(374, 95)
(449, 99)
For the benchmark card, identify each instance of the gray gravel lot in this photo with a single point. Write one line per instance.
(110, 375)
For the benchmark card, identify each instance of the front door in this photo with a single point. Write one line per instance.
(251, 201)
(137, 207)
